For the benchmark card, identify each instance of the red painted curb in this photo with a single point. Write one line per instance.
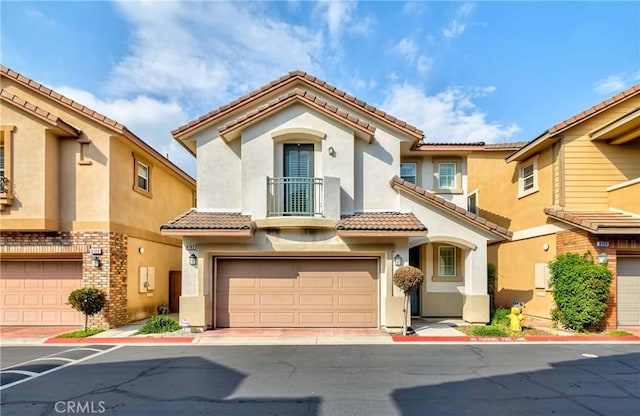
(574, 338)
(123, 340)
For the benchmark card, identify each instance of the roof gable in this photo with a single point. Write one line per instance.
(291, 79)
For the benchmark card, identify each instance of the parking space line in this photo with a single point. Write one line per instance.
(23, 372)
(52, 358)
(36, 375)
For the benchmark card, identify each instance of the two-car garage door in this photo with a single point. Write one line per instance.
(296, 293)
(35, 292)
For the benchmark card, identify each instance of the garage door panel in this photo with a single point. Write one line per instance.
(36, 292)
(297, 293)
(628, 288)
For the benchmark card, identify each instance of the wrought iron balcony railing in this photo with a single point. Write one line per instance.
(293, 196)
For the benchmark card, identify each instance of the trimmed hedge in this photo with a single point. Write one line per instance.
(580, 290)
(87, 300)
(159, 324)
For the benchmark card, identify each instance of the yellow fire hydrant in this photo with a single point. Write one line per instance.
(516, 317)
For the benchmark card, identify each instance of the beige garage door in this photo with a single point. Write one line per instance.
(36, 292)
(628, 291)
(297, 293)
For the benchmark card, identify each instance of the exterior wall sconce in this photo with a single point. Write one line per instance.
(332, 151)
(193, 260)
(95, 261)
(603, 258)
(397, 260)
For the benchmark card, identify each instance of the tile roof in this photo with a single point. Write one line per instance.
(604, 222)
(93, 115)
(302, 96)
(310, 80)
(445, 144)
(505, 146)
(435, 200)
(212, 221)
(46, 116)
(421, 145)
(380, 221)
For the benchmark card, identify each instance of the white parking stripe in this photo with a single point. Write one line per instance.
(53, 358)
(15, 383)
(23, 372)
(86, 349)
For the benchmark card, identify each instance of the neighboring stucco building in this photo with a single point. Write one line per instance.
(81, 204)
(307, 198)
(574, 188)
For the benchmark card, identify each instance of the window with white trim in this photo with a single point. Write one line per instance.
(528, 177)
(409, 172)
(447, 261)
(143, 176)
(447, 175)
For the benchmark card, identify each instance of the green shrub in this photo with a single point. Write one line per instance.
(159, 324)
(81, 334)
(500, 316)
(580, 290)
(491, 283)
(87, 300)
(490, 331)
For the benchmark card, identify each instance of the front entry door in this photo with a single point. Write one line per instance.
(298, 172)
(414, 260)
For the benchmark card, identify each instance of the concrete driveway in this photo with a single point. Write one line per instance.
(34, 334)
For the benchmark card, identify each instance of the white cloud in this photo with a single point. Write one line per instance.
(424, 64)
(340, 18)
(458, 25)
(448, 116)
(405, 48)
(615, 83)
(150, 119)
(209, 49)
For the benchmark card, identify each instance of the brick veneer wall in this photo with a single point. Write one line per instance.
(580, 241)
(111, 276)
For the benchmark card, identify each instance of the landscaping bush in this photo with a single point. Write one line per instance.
(491, 283)
(89, 301)
(500, 316)
(580, 290)
(490, 331)
(407, 278)
(159, 324)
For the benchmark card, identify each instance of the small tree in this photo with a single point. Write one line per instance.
(491, 284)
(580, 290)
(407, 278)
(89, 301)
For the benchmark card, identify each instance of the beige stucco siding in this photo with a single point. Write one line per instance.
(626, 197)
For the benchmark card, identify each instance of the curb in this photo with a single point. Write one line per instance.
(466, 339)
(122, 340)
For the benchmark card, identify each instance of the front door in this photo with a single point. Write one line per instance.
(175, 290)
(298, 182)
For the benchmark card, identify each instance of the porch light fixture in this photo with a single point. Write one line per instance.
(95, 261)
(332, 151)
(397, 260)
(602, 258)
(193, 260)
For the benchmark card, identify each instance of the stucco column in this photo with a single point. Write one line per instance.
(476, 300)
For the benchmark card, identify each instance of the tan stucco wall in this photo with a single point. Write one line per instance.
(515, 274)
(164, 258)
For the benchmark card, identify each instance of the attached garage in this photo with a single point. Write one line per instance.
(35, 292)
(296, 293)
(628, 270)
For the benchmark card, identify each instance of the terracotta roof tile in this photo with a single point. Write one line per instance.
(198, 220)
(310, 80)
(49, 118)
(380, 221)
(597, 222)
(447, 206)
(303, 96)
(97, 117)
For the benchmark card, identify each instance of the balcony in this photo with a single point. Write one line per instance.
(298, 202)
(296, 197)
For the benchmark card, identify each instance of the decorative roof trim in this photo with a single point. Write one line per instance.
(296, 96)
(441, 203)
(96, 117)
(38, 112)
(605, 222)
(308, 79)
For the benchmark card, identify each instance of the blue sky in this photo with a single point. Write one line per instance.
(461, 71)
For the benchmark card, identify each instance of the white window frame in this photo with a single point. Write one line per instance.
(475, 194)
(455, 172)
(441, 265)
(533, 162)
(415, 172)
(146, 179)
